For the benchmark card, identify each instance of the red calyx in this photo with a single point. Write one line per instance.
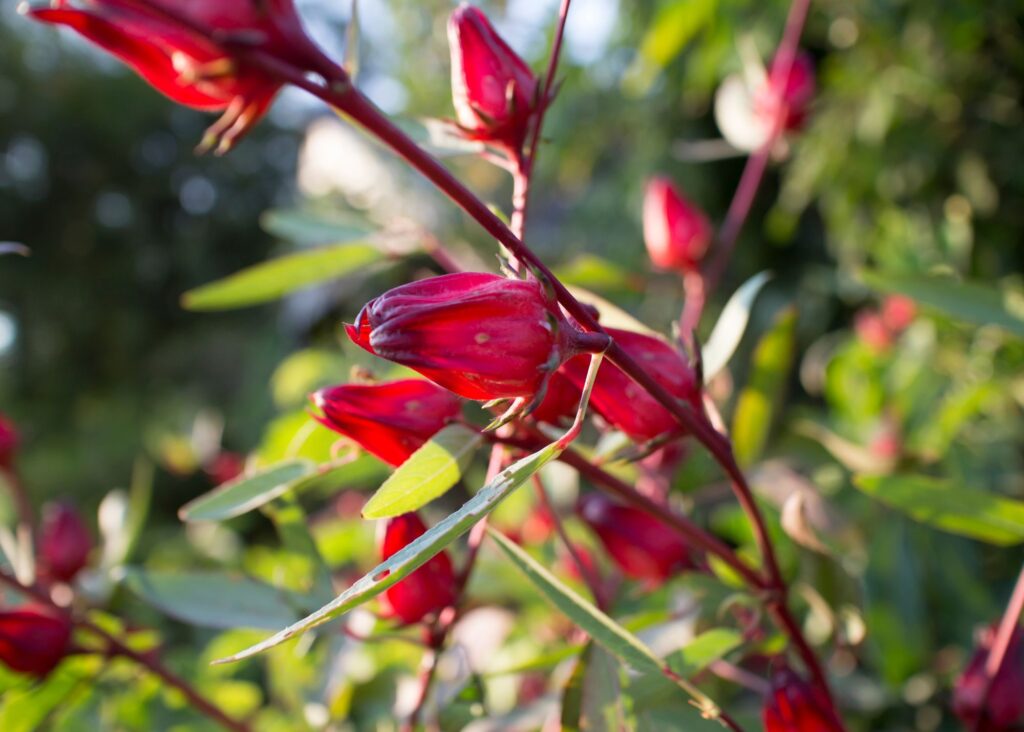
(1004, 710)
(8, 442)
(390, 420)
(64, 542)
(676, 232)
(33, 639)
(794, 705)
(189, 51)
(790, 96)
(626, 405)
(494, 91)
(481, 336)
(640, 545)
(429, 589)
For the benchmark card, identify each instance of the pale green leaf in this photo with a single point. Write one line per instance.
(214, 599)
(311, 228)
(731, 324)
(247, 492)
(416, 554)
(618, 641)
(972, 512)
(428, 473)
(278, 277)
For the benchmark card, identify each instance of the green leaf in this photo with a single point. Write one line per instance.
(612, 316)
(971, 512)
(278, 277)
(214, 599)
(600, 627)
(416, 554)
(428, 473)
(592, 699)
(772, 359)
(246, 493)
(293, 527)
(674, 26)
(596, 273)
(973, 302)
(706, 648)
(310, 228)
(731, 324)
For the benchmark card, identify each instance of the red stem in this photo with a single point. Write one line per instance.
(1001, 644)
(754, 170)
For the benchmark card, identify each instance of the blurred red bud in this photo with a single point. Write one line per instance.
(1004, 710)
(794, 705)
(639, 544)
(33, 639)
(225, 467)
(185, 51)
(676, 232)
(8, 442)
(390, 420)
(789, 96)
(623, 403)
(898, 312)
(493, 90)
(429, 589)
(480, 335)
(64, 541)
(871, 330)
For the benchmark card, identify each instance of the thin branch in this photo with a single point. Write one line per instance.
(1001, 644)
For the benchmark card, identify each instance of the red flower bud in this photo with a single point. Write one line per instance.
(898, 312)
(561, 400)
(790, 96)
(225, 467)
(188, 50)
(33, 639)
(8, 442)
(64, 542)
(429, 589)
(494, 91)
(640, 545)
(793, 705)
(623, 403)
(390, 420)
(676, 232)
(480, 335)
(1005, 708)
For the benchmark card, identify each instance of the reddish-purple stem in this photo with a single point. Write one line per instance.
(1001, 644)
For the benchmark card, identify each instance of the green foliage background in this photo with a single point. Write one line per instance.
(909, 168)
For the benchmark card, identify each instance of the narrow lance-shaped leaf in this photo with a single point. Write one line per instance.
(772, 359)
(416, 554)
(246, 493)
(427, 474)
(600, 627)
(731, 324)
(281, 276)
(972, 512)
(311, 228)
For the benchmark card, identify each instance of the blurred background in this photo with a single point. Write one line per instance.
(908, 165)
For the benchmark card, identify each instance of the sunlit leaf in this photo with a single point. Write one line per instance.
(214, 599)
(972, 302)
(281, 276)
(247, 492)
(772, 360)
(428, 473)
(416, 554)
(731, 324)
(972, 512)
(612, 316)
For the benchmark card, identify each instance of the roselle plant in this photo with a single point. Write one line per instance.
(486, 389)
